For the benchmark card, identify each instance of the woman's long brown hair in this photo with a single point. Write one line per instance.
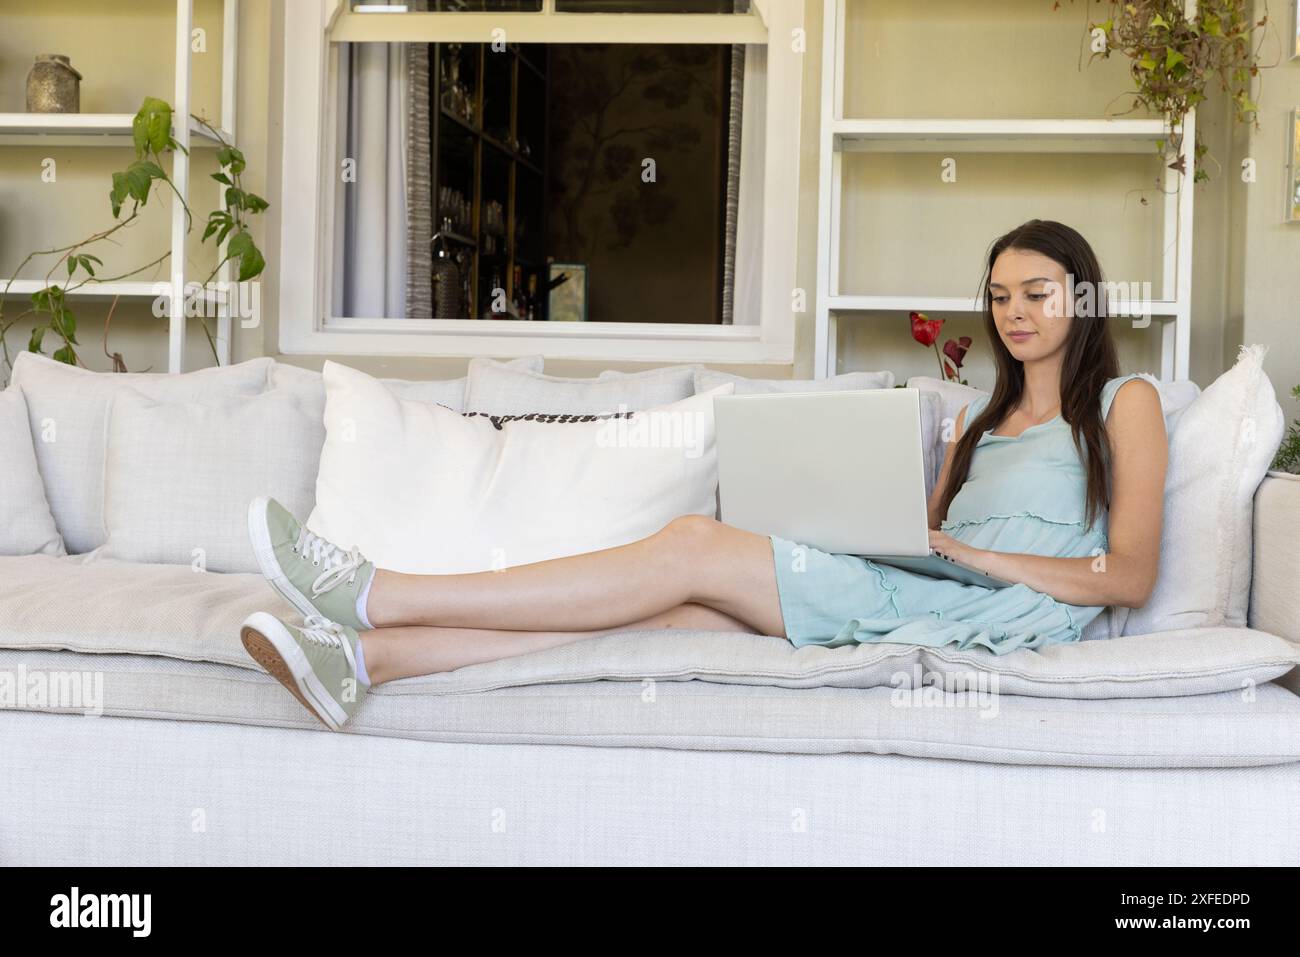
(1090, 361)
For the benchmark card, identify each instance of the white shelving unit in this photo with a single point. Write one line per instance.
(114, 129)
(840, 135)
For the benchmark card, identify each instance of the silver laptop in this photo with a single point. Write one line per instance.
(840, 471)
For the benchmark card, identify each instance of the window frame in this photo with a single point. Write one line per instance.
(313, 27)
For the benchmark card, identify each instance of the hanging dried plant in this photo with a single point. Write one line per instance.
(1173, 59)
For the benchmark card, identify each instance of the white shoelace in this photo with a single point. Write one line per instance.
(322, 631)
(340, 565)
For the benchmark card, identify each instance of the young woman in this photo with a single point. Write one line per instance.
(1054, 482)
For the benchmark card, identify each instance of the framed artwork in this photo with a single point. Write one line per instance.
(568, 300)
(1294, 36)
(1292, 138)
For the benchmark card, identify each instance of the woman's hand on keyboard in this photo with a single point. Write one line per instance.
(946, 545)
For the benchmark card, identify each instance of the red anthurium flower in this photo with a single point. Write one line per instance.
(956, 349)
(952, 373)
(925, 331)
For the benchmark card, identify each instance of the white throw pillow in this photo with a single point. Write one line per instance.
(1218, 455)
(501, 391)
(180, 475)
(26, 525)
(421, 489)
(706, 379)
(308, 387)
(67, 409)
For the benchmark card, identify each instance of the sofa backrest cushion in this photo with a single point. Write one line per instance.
(706, 379)
(953, 397)
(310, 386)
(419, 488)
(26, 525)
(179, 475)
(501, 391)
(67, 410)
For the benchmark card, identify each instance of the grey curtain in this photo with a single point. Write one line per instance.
(419, 189)
(382, 259)
(736, 111)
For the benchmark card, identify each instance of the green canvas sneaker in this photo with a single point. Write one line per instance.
(316, 576)
(317, 662)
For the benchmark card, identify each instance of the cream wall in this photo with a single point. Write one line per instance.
(1268, 258)
(903, 231)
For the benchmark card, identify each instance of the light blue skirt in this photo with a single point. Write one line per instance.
(829, 599)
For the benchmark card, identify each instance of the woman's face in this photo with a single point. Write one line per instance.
(1032, 307)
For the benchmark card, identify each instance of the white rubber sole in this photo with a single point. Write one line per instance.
(264, 552)
(269, 643)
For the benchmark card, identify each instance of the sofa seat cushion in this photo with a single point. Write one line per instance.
(1227, 729)
(103, 606)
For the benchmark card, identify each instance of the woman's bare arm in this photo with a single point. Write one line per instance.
(1126, 575)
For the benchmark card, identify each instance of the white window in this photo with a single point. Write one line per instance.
(317, 34)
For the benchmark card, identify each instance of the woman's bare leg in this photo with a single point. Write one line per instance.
(393, 653)
(693, 559)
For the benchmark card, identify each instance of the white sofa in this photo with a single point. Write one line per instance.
(1177, 746)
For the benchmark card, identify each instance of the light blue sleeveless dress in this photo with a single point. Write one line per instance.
(1024, 494)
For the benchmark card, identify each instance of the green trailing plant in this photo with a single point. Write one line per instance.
(1288, 454)
(75, 267)
(1173, 60)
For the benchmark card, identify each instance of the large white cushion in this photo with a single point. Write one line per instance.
(308, 387)
(26, 525)
(179, 475)
(67, 409)
(502, 391)
(419, 488)
(1218, 455)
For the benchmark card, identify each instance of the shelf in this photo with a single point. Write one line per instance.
(511, 154)
(458, 238)
(528, 165)
(129, 289)
(1121, 308)
(998, 136)
(114, 130)
(849, 96)
(463, 124)
(85, 129)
